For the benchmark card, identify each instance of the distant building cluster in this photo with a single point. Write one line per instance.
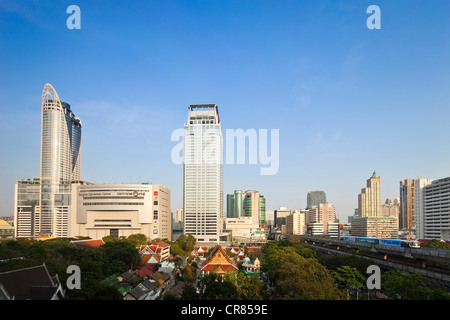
(59, 203)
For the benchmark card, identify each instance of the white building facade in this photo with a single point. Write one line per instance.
(436, 210)
(117, 210)
(60, 164)
(203, 173)
(419, 185)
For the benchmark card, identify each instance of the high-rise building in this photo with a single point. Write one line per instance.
(296, 222)
(369, 203)
(436, 210)
(235, 204)
(411, 191)
(314, 198)
(323, 214)
(230, 206)
(203, 173)
(270, 218)
(280, 216)
(255, 206)
(26, 207)
(407, 214)
(60, 163)
(419, 185)
(389, 209)
(370, 221)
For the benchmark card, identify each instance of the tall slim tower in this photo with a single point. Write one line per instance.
(60, 162)
(203, 173)
(369, 203)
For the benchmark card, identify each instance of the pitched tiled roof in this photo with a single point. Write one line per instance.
(161, 244)
(87, 244)
(33, 283)
(207, 265)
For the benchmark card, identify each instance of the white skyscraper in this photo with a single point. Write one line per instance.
(60, 163)
(419, 185)
(203, 173)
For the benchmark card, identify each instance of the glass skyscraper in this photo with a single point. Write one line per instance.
(203, 173)
(235, 204)
(255, 206)
(60, 163)
(315, 198)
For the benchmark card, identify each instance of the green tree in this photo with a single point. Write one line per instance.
(189, 293)
(121, 250)
(92, 289)
(176, 250)
(216, 287)
(138, 239)
(436, 244)
(348, 277)
(398, 285)
(186, 243)
(249, 288)
(295, 277)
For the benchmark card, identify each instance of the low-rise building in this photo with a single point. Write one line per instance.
(100, 210)
(6, 231)
(375, 227)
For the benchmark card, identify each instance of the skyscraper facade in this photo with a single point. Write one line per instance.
(314, 198)
(436, 210)
(235, 204)
(369, 204)
(26, 206)
(407, 214)
(60, 163)
(255, 206)
(419, 187)
(203, 173)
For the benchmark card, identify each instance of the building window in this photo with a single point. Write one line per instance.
(114, 233)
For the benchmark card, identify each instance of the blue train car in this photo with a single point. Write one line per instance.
(400, 243)
(366, 240)
(390, 242)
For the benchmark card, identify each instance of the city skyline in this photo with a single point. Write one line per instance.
(376, 101)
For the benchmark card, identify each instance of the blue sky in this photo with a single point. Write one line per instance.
(346, 99)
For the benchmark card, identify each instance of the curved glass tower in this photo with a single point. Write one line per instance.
(60, 162)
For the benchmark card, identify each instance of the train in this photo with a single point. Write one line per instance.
(385, 242)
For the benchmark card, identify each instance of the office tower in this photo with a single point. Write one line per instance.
(238, 203)
(419, 185)
(315, 198)
(369, 204)
(60, 163)
(407, 214)
(322, 217)
(296, 222)
(436, 210)
(389, 209)
(255, 206)
(26, 206)
(202, 173)
(370, 222)
(280, 216)
(179, 215)
(235, 204)
(230, 206)
(270, 218)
